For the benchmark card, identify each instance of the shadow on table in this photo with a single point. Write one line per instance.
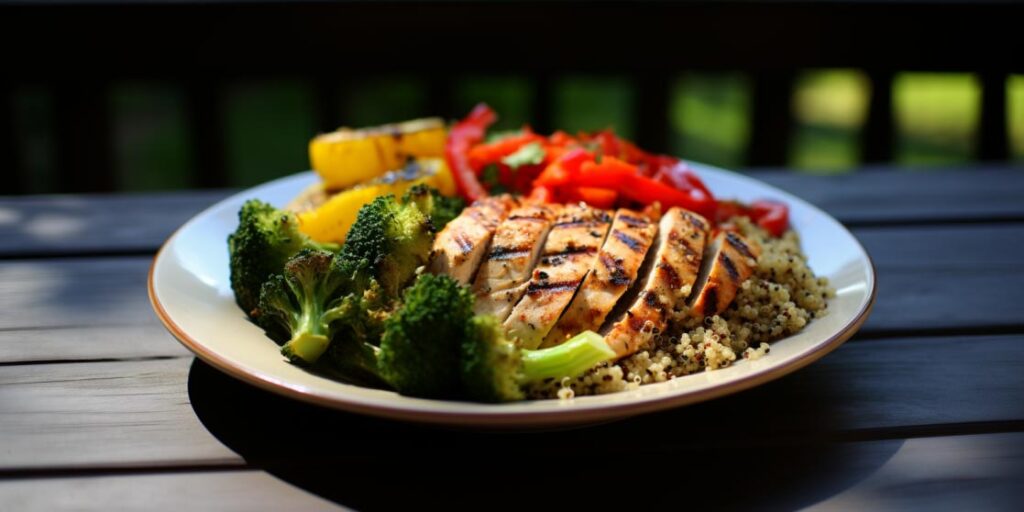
(707, 455)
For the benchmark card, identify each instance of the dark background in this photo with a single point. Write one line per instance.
(129, 96)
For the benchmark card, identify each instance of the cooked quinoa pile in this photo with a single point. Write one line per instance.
(778, 300)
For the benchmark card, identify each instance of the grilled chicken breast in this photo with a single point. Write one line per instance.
(460, 246)
(501, 280)
(730, 261)
(569, 252)
(614, 271)
(671, 274)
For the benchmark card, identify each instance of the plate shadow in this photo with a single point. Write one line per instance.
(775, 447)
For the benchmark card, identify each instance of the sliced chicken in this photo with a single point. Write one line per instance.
(614, 271)
(730, 260)
(460, 246)
(671, 273)
(569, 253)
(501, 280)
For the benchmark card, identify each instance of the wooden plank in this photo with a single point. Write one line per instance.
(121, 343)
(143, 414)
(74, 293)
(101, 415)
(881, 196)
(241, 491)
(946, 277)
(106, 224)
(932, 278)
(938, 473)
(941, 473)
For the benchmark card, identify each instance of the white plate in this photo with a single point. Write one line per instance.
(189, 289)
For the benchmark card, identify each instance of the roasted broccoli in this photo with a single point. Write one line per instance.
(394, 239)
(418, 349)
(495, 370)
(265, 239)
(419, 352)
(441, 209)
(306, 302)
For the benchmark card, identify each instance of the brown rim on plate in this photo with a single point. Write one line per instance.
(493, 416)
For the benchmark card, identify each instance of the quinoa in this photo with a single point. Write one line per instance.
(777, 301)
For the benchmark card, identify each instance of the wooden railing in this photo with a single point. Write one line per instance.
(80, 50)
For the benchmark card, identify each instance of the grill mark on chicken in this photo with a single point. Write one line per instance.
(528, 218)
(730, 267)
(506, 253)
(576, 224)
(695, 222)
(671, 276)
(465, 245)
(541, 287)
(633, 244)
(617, 275)
(634, 222)
(569, 251)
(739, 245)
(711, 296)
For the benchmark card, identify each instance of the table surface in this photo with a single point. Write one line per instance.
(923, 409)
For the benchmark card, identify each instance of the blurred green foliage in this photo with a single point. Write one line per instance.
(936, 117)
(268, 124)
(710, 118)
(593, 103)
(151, 149)
(268, 129)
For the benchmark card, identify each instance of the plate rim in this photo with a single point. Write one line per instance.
(493, 416)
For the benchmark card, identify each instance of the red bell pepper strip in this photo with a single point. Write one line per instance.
(463, 135)
(485, 154)
(542, 194)
(615, 174)
(596, 197)
(773, 216)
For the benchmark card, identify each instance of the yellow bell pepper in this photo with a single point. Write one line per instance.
(331, 221)
(346, 156)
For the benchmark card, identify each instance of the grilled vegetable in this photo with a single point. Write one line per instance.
(330, 222)
(346, 156)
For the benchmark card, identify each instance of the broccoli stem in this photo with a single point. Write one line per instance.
(579, 354)
(310, 337)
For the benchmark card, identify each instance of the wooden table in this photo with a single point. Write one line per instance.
(924, 409)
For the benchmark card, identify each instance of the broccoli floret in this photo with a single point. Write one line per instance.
(441, 209)
(393, 238)
(419, 351)
(414, 348)
(265, 239)
(306, 302)
(495, 370)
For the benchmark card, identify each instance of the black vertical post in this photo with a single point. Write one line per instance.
(877, 136)
(13, 178)
(772, 119)
(84, 137)
(540, 109)
(328, 104)
(439, 97)
(207, 128)
(650, 111)
(993, 141)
